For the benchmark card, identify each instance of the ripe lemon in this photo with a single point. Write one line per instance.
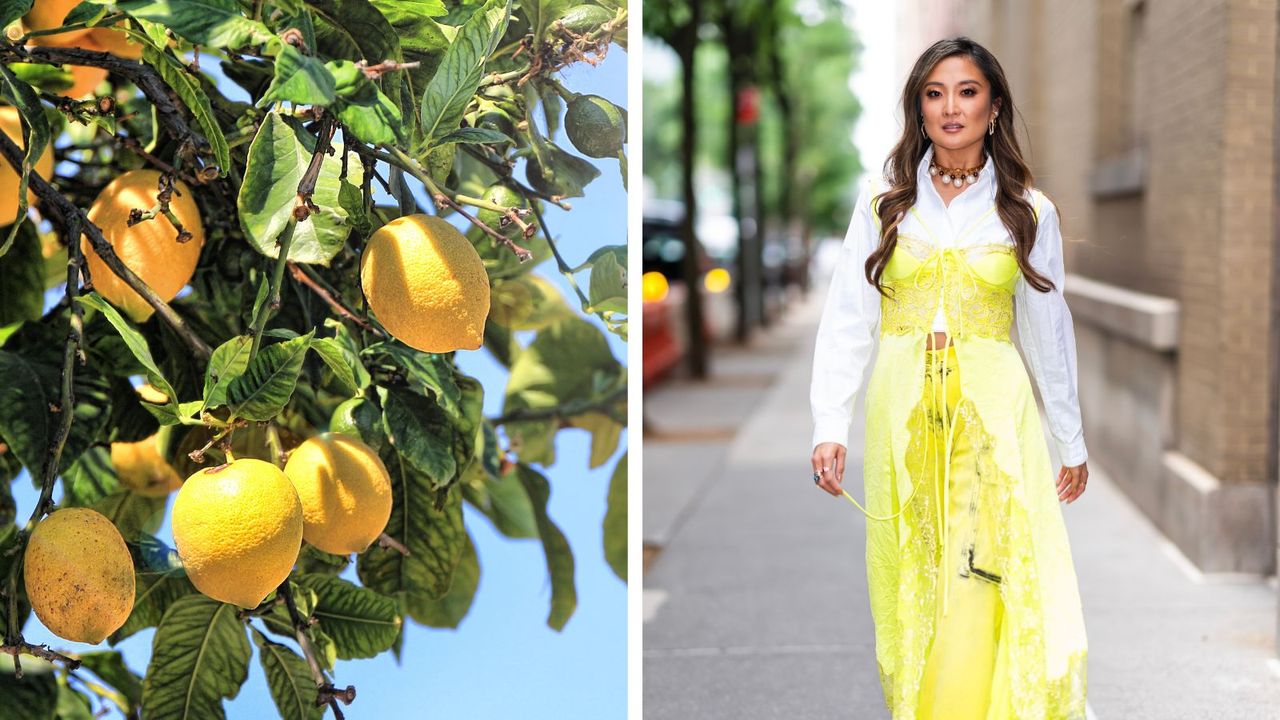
(84, 80)
(46, 14)
(238, 530)
(114, 41)
(79, 575)
(141, 468)
(427, 284)
(345, 492)
(150, 248)
(12, 126)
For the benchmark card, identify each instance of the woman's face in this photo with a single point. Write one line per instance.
(956, 103)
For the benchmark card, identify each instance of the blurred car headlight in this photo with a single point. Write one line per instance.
(716, 280)
(654, 287)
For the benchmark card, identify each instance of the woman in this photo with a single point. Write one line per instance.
(973, 593)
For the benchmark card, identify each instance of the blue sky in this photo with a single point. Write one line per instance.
(502, 660)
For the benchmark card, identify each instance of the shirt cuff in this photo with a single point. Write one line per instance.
(1073, 453)
(831, 431)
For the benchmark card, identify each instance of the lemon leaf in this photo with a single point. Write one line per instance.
(422, 434)
(22, 292)
(278, 158)
(168, 413)
(109, 666)
(267, 383)
(458, 76)
(35, 696)
(449, 610)
(200, 655)
(210, 23)
(434, 536)
(299, 79)
(361, 622)
(226, 364)
(560, 566)
(11, 10)
(289, 679)
(615, 520)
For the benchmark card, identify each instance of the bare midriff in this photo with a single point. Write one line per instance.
(939, 339)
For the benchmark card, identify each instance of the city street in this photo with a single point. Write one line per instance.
(755, 598)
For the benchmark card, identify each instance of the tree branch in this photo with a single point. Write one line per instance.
(56, 204)
(168, 110)
(568, 409)
(325, 691)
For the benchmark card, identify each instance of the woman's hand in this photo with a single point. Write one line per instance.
(1071, 481)
(828, 462)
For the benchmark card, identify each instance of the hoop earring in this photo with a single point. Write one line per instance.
(991, 127)
(922, 131)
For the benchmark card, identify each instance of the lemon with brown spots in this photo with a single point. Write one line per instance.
(345, 492)
(238, 530)
(426, 284)
(149, 248)
(79, 575)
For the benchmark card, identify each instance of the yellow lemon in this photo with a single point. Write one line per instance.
(149, 394)
(79, 575)
(427, 284)
(345, 492)
(47, 14)
(238, 530)
(12, 126)
(150, 248)
(84, 80)
(142, 469)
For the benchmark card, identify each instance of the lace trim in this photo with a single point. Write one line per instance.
(1010, 555)
(973, 306)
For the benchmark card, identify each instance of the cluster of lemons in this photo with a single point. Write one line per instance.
(238, 529)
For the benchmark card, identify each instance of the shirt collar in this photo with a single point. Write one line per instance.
(984, 188)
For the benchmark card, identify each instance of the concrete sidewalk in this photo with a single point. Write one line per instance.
(756, 601)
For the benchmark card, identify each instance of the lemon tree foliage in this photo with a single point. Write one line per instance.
(241, 300)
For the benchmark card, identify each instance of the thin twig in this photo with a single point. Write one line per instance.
(272, 304)
(303, 275)
(307, 185)
(386, 541)
(325, 691)
(65, 212)
(43, 652)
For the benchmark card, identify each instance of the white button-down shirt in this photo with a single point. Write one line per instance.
(849, 329)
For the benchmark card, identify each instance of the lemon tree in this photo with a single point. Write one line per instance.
(245, 249)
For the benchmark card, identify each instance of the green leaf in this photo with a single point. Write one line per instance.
(227, 363)
(449, 610)
(542, 13)
(158, 588)
(608, 285)
(200, 655)
(11, 10)
(22, 292)
(176, 76)
(361, 622)
(399, 12)
(35, 696)
(289, 678)
(35, 138)
(72, 705)
(167, 414)
(335, 357)
(559, 172)
(299, 79)
(131, 513)
(564, 597)
(278, 158)
(91, 479)
(363, 109)
(459, 74)
(615, 520)
(209, 23)
(109, 666)
(433, 535)
(353, 30)
(268, 382)
(31, 388)
(422, 433)
(474, 136)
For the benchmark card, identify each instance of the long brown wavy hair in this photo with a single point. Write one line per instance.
(1013, 177)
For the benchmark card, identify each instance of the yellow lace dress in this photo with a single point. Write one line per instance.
(1000, 634)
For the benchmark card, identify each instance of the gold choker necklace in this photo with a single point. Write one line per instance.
(956, 176)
